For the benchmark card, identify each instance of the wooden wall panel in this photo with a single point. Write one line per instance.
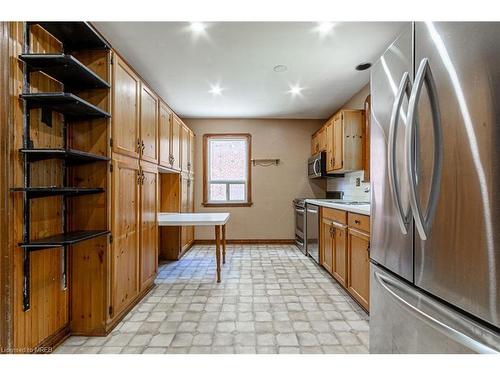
(48, 315)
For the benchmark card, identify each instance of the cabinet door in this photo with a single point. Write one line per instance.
(329, 147)
(322, 139)
(149, 125)
(175, 148)
(190, 207)
(165, 130)
(185, 148)
(191, 152)
(327, 245)
(338, 143)
(358, 281)
(125, 231)
(314, 144)
(149, 227)
(340, 254)
(125, 119)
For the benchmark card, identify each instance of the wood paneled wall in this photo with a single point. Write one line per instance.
(47, 319)
(5, 168)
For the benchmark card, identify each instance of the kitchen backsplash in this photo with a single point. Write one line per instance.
(347, 184)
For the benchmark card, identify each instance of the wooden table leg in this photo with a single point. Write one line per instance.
(217, 250)
(224, 244)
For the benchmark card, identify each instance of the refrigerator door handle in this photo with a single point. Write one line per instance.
(403, 295)
(424, 75)
(403, 217)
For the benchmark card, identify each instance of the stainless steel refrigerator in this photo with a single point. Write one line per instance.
(435, 152)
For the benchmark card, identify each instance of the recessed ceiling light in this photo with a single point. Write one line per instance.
(215, 90)
(363, 66)
(280, 68)
(295, 90)
(324, 28)
(197, 27)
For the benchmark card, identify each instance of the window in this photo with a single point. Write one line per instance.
(226, 170)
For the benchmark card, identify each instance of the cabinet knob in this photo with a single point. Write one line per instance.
(357, 221)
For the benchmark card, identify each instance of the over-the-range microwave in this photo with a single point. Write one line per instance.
(316, 165)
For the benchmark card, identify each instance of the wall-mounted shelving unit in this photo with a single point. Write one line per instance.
(74, 76)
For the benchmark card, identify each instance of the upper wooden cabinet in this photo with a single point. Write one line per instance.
(165, 134)
(318, 141)
(125, 120)
(149, 125)
(191, 152)
(343, 139)
(176, 143)
(185, 148)
(345, 142)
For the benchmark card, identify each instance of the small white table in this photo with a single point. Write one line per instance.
(218, 220)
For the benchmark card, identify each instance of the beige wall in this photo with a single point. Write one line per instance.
(273, 187)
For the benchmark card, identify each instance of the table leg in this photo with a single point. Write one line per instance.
(217, 250)
(224, 244)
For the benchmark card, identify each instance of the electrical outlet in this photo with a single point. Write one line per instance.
(358, 181)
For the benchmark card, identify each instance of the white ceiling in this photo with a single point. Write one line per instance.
(240, 56)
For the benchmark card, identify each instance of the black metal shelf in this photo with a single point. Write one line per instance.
(66, 69)
(63, 239)
(65, 103)
(75, 35)
(49, 191)
(71, 156)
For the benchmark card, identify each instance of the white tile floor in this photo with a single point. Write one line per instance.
(272, 299)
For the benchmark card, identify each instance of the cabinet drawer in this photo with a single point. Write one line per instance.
(361, 222)
(335, 215)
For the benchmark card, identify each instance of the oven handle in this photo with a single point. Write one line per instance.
(299, 210)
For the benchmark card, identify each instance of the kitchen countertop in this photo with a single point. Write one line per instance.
(363, 209)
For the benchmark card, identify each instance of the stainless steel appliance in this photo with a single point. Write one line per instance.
(300, 223)
(316, 165)
(312, 231)
(435, 213)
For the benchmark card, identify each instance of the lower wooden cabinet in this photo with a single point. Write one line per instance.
(358, 283)
(327, 244)
(149, 225)
(344, 251)
(134, 233)
(176, 195)
(339, 270)
(125, 227)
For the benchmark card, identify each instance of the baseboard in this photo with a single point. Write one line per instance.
(54, 340)
(248, 242)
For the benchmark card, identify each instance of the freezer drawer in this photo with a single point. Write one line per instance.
(404, 320)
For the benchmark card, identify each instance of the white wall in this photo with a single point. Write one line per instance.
(273, 187)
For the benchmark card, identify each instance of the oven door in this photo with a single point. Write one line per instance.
(299, 227)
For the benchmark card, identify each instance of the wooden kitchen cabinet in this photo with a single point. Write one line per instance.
(345, 141)
(322, 139)
(177, 195)
(175, 145)
(185, 153)
(327, 244)
(149, 125)
(149, 227)
(125, 120)
(339, 270)
(165, 135)
(358, 281)
(125, 227)
(191, 152)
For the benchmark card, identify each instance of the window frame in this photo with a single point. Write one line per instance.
(206, 183)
